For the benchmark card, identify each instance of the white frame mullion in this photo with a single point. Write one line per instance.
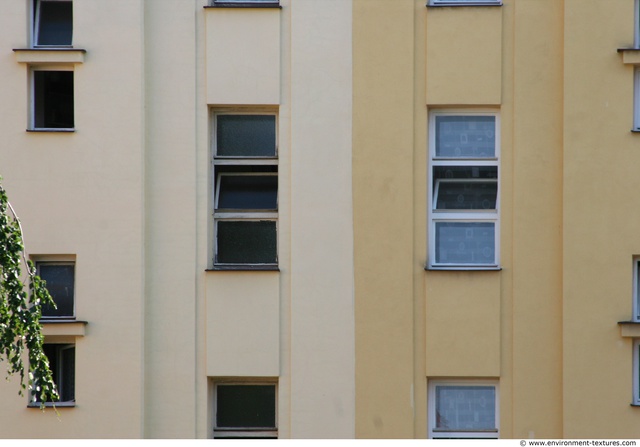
(636, 98)
(636, 289)
(636, 372)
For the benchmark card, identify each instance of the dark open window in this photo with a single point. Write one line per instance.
(62, 362)
(60, 279)
(245, 411)
(53, 99)
(53, 22)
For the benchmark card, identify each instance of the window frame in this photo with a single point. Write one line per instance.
(435, 433)
(32, 97)
(218, 164)
(636, 98)
(39, 263)
(435, 216)
(244, 432)
(35, 25)
(59, 372)
(635, 401)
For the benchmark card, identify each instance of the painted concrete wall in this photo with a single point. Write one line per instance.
(82, 194)
(352, 327)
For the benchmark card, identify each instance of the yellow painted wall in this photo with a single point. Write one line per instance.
(383, 127)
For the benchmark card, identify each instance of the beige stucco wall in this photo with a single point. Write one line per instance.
(243, 55)
(383, 134)
(81, 194)
(322, 310)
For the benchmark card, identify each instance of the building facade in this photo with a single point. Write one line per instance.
(328, 218)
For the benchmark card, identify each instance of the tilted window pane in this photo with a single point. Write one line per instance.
(60, 280)
(466, 195)
(246, 135)
(246, 406)
(246, 242)
(53, 99)
(466, 407)
(465, 243)
(248, 192)
(465, 136)
(55, 24)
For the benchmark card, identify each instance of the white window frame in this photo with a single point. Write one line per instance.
(226, 432)
(32, 97)
(465, 2)
(435, 433)
(636, 98)
(464, 216)
(636, 290)
(238, 161)
(35, 25)
(60, 262)
(636, 372)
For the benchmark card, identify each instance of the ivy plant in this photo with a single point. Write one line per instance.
(21, 300)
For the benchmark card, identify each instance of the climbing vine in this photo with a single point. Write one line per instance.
(21, 300)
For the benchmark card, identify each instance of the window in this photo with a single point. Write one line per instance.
(60, 278)
(245, 178)
(62, 361)
(463, 409)
(636, 372)
(245, 410)
(52, 100)
(52, 23)
(636, 98)
(464, 190)
(464, 2)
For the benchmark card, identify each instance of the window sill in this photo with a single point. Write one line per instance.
(488, 268)
(52, 405)
(262, 5)
(630, 329)
(245, 268)
(57, 55)
(630, 56)
(63, 327)
(62, 130)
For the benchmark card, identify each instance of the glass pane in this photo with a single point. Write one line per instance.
(53, 99)
(465, 243)
(466, 195)
(60, 284)
(246, 406)
(248, 192)
(246, 242)
(465, 136)
(246, 135)
(466, 407)
(55, 23)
